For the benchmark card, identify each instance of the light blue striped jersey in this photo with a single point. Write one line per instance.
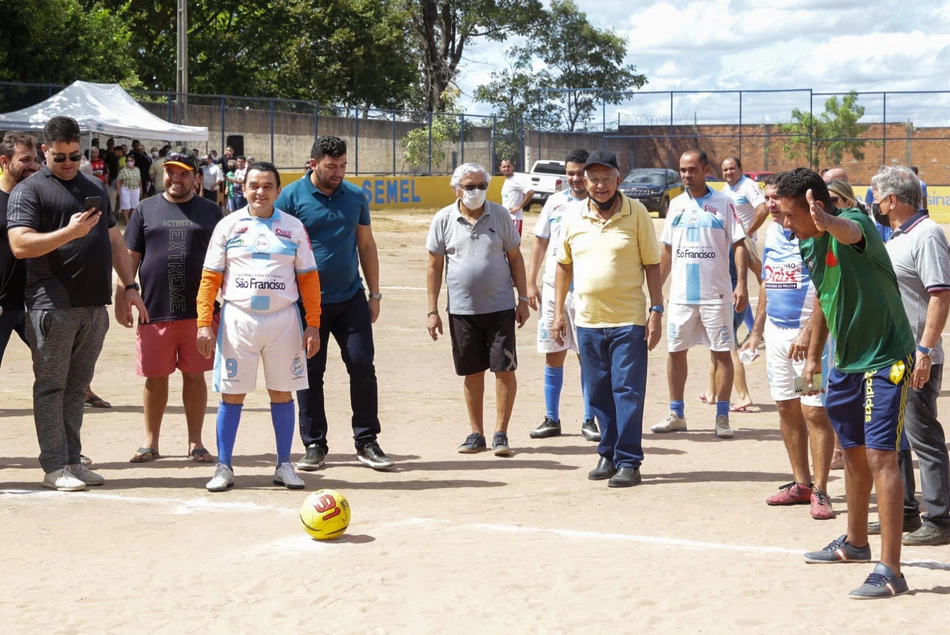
(788, 287)
(701, 233)
(747, 196)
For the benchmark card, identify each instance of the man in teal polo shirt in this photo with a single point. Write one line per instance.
(336, 216)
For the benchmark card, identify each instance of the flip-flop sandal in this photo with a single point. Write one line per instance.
(733, 408)
(144, 455)
(201, 455)
(97, 402)
(702, 398)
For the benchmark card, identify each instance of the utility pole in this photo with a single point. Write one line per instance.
(181, 75)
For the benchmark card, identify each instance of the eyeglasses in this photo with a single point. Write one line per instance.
(471, 187)
(61, 158)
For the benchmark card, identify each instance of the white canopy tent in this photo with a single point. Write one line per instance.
(104, 109)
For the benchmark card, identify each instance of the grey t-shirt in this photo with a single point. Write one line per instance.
(921, 258)
(477, 275)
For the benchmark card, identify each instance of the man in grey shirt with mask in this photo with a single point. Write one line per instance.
(479, 248)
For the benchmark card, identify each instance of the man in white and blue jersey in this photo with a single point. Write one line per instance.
(786, 301)
(701, 231)
(548, 239)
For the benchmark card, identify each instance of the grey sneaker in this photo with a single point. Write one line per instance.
(474, 442)
(63, 480)
(85, 460)
(548, 428)
(928, 536)
(314, 459)
(723, 431)
(86, 475)
(882, 583)
(499, 445)
(286, 476)
(839, 550)
(672, 423)
(223, 479)
(590, 431)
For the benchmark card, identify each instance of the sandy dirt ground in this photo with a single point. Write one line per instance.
(442, 543)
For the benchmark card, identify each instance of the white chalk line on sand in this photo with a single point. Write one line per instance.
(303, 543)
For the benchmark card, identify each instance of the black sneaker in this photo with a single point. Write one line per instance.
(590, 431)
(550, 428)
(313, 460)
(911, 524)
(499, 445)
(373, 456)
(474, 442)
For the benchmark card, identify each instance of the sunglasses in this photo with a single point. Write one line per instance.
(61, 158)
(471, 187)
(187, 159)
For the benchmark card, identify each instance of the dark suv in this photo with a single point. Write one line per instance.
(654, 187)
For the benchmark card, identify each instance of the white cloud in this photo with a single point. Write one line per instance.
(827, 46)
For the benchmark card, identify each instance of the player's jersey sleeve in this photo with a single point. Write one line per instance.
(733, 225)
(754, 194)
(304, 260)
(216, 258)
(542, 228)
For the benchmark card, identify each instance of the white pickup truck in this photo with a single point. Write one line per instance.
(545, 178)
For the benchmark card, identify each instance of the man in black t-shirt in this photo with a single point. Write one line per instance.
(18, 160)
(167, 237)
(70, 243)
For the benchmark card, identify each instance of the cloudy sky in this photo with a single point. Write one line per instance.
(824, 45)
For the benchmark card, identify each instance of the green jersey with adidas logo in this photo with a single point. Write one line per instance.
(858, 293)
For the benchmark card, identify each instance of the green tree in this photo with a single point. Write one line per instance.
(574, 57)
(446, 129)
(334, 51)
(444, 28)
(60, 41)
(832, 134)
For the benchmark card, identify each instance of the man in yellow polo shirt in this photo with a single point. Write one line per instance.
(609, 249)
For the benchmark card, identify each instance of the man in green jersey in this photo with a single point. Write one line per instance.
(860, 304)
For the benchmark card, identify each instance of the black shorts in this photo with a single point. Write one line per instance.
(483, 342)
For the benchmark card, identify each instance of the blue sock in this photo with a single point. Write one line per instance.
(229, 418)
(722, 408)
(282, 416)
(553, 381)
(588, 413)
(679, 407)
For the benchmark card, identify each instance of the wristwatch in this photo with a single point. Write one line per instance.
(929, 352)
(375, 296)
(657, 309)
(134, 285)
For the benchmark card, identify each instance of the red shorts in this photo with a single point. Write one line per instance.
(161, 347)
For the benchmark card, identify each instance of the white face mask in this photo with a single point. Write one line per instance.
(473, 199)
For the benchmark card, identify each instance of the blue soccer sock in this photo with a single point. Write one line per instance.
(679, 407)
(229, 418)
(282, 416)
(722, 408)
(588, 413)
(553, 381)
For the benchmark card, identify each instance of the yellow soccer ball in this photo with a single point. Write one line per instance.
(325, 514)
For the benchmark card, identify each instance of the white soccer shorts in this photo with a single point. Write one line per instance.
(546, 343)
(246, 337)
(707, 324)
(781, 370)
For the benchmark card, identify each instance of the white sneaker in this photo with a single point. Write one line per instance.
(63, 481)
(723, 431)
(223, 479)
(672, 423)
(86, 475)
(286, 475)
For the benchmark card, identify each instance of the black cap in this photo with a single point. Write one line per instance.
(602, 157)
